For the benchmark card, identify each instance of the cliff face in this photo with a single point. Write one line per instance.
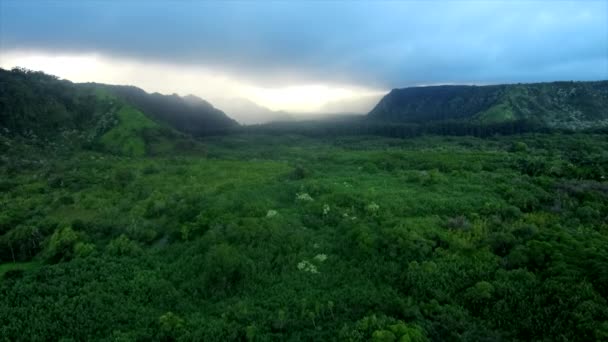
(557, 104)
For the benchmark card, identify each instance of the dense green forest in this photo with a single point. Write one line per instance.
(116, 226)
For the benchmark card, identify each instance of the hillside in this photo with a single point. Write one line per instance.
(189, 114)
(572, 105)
(43, 111)
(114, 225)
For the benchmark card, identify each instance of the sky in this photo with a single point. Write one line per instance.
(303, 56)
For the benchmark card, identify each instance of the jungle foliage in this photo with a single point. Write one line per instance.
(286, 237)
(116, 226)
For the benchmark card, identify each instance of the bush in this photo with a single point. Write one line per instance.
(519, 147)
(65, 200)
(82, 249)
(61, 245)
(300, 172)
(225, 268)
(171, 325)
(382, 328)
(501, 243)
(457, 222)
(123, 177)
(150, 170)
(123, 246)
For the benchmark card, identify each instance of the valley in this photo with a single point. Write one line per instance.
(116, 225)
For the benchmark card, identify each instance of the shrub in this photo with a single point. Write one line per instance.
(150, 170)
(300, 172)
(225, 268)
(171, 325)
(20, 243)
(501, 243)
(82, 249)
(123, 246)
(457, 222)
(123, 177)
(65, 200)
(61, 245)
(519, 147)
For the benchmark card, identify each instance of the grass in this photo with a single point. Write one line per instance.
(127, 137)
(18, 266)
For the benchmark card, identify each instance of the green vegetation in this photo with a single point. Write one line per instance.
(127, 137)
(115, 226)
(58, 115)
(189, 114)
(565, 105)
(293, 238)
(497, 113)
(16, 267)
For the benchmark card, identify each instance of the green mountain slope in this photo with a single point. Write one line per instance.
(41, 107)
(188, 114)
(281, 237)
(571, 105)
(48, 112)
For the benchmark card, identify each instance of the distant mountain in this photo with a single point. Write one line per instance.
(247, 112)
(250, 113)
(189, 114)
(326, 116)
(572, 105)
(362, 105)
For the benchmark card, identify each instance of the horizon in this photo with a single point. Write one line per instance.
(270, 55)
(282, 115)
(304, 171)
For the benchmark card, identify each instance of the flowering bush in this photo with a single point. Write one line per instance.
(304, 197)
(307, 266)
(320, 257)
(372, 207)
(325, 209)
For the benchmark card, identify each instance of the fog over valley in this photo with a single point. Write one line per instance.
(319, 57)
(412, 171)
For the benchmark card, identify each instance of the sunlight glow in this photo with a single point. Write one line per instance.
(197, 80)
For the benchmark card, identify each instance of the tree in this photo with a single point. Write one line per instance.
(225, 268)
(21, 243)
(123, 246)
(61, 245)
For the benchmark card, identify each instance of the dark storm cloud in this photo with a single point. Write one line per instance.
(380, 44)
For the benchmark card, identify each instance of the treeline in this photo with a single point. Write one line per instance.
(394, 130)
(36, 105)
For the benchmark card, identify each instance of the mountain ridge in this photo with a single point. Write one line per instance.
(560, 104)
(33, 98)
(247, 112)
(42, 110)
(190, 114)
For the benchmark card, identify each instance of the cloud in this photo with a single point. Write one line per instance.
(210, 84)
(310, 45)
